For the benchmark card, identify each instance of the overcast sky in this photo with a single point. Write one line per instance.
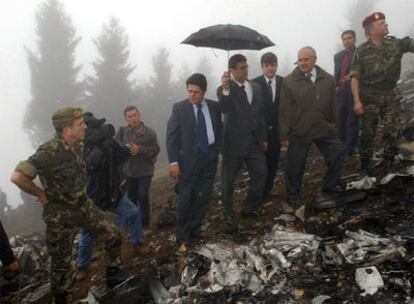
(291, 24)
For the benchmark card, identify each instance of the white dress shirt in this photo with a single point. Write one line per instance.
(273, 85)
(247, 88)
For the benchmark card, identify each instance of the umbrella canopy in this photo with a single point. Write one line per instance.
(229, 37)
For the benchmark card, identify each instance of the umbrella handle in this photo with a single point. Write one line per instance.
(228, 58)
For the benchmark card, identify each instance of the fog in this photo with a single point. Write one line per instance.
(290, 24)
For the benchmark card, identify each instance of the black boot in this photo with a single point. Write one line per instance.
(114, 276)
(364, 166)
(388, 168)
(60, 298)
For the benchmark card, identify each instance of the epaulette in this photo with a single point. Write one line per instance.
(52, 143)
(363, 46)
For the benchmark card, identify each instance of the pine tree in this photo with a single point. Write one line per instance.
(111, 89)
(358, 10)
(160, 95)
(204, 67)
(179, 85)
(253, 60)
(53, 71)
(285, 65)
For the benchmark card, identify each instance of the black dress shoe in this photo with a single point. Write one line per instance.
(334, 200)
(60, 298)
(294, 202)
(254, 213)
(115, 276)
(195, 235)
(388, 166)
(337, 189)
(230, 220)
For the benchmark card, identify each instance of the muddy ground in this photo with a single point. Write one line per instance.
(386, 211)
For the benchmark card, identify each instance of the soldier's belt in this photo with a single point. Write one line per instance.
(382, 87)
(75, 202)
(383, 92)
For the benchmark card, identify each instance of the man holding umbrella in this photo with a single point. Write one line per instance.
(245, 137)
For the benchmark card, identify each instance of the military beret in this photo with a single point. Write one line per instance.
(372, 18)
(66, 114)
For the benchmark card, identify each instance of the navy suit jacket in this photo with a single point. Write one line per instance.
(271, 107)
(242, 119)
(182, 139)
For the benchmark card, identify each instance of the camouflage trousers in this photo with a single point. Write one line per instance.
(63, 223)
(384, 106)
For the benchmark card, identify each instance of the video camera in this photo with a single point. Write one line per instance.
(98, 132)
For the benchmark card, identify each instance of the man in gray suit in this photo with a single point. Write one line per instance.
(245, 137)
(193, 143)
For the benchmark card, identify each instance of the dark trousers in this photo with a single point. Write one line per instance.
(348, 120)
(194, 192)
(138, 193)
(255, 162)
(6, 253)
(272, 157)
(333, 153)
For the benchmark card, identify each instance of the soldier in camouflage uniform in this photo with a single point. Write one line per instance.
(375, 71)
(61, 169)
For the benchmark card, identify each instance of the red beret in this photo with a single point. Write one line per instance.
(372, 18)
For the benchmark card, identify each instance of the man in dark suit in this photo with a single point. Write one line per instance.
(193, 143)
(271, 84)
(245, 137)
(348, 120)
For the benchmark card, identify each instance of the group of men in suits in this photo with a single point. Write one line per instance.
(248, 125)
(242, 126)
(267, 113)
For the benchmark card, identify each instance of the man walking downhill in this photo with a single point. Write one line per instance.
(308, 115)
(271, 84)
(193, 143)
(244, 137)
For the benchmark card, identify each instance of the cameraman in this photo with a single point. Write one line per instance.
(103, 159)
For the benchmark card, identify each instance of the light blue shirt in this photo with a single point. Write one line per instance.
(209, 125)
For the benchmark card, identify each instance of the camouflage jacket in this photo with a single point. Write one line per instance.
(61, 171)
(378, 67)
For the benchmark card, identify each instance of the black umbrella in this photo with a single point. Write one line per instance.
(229, 37)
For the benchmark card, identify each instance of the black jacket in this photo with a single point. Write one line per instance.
(242, 120)
(271, 106)
(103, 165)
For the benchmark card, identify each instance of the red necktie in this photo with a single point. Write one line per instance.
(344, 67)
